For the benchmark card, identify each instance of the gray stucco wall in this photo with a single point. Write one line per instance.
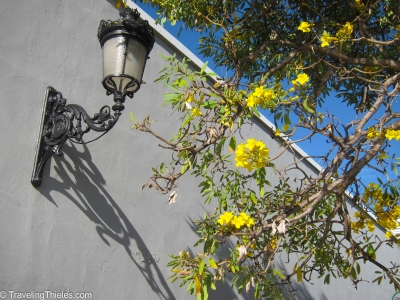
(89, 227)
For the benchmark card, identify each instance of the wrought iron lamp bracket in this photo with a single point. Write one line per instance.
(61, 121)
(126, 44)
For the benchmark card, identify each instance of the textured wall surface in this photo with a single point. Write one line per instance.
(89, 227)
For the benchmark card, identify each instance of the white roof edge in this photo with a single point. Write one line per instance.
(296, 148)
(171, 39)
(189, 54)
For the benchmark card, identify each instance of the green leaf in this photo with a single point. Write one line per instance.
(132, 117)
(190, 118)
(261, 191)
(208, 245)
(253, 198)
(190, 285)
(257, 292)
(353, 273)
(210, 104)
(306, 107)
(170, 98)
(219, 146)
(203, 67)
(371, 251)
(184, 168)
(173, 88)
(213, 263)
(299, 274)
(327, 279)
(205, 292)
(201, 267)
(232, 143)
(280, 274)
(379, 279)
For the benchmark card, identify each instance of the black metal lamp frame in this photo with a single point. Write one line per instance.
(62, 121)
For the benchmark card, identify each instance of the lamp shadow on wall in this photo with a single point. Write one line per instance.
(84, 180)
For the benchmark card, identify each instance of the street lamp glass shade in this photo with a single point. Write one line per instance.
(126, 44)
(124, 62)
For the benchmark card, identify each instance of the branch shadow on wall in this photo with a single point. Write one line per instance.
(297, 291)
(223, 291)
(83, 179)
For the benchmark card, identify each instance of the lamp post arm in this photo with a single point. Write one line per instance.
(100, 122)
(61, 121)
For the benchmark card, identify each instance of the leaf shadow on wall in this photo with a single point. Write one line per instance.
(223, 291)
(295, 292)
(83, 184)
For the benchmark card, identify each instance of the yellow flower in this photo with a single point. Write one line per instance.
(372, 133)
(251, 100)
(190, 98)
(305, 26)
(226, 218)
(326, 39)
(242, 156)
(345, 32)
(392, 134)
(359, 5)
(398, 31)
(235, 222)
(259, 91)
(252, 155)
(348, 28)
(253, 144)
(196, 112)
(247, 219)
(370, 225)
(386, 214)
(388, 234)
(261, 97)
(238, 222)
(302, 79)
(286, 127)
(118, 3)
(274, 242)
(383, 155)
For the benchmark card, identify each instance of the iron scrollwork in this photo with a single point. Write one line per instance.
(62, 121)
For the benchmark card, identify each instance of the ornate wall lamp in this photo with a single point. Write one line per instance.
(126, 44)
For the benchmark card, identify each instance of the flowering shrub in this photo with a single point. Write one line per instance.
(305, 215)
